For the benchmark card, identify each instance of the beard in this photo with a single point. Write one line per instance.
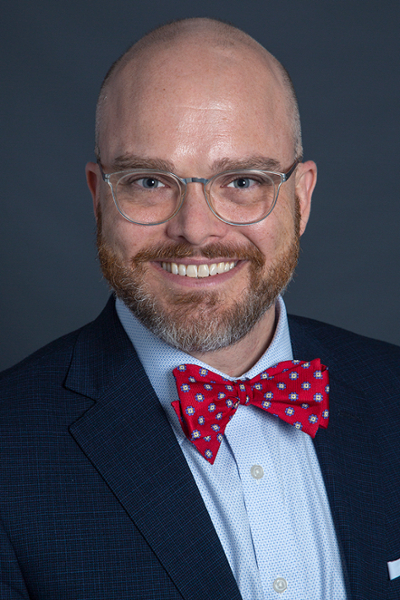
(200, 321)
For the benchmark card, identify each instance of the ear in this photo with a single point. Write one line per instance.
(306, 178)
(94, 179)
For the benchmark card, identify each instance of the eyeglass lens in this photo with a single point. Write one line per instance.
(240, 197)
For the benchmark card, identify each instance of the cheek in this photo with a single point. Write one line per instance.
(274, 234)
(114, 231)
(267, 237)
(287, 220)
(126, 239)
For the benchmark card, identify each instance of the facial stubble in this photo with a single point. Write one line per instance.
(200, 321)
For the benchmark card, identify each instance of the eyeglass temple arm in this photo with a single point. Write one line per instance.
(104, 176)
(292, 169)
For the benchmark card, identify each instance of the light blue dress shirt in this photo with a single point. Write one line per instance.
(264, 493)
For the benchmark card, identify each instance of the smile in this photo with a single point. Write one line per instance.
(196, 271)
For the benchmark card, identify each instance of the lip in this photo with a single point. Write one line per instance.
(203, 282)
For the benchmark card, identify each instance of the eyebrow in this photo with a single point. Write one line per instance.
(256, 161)
(133, 161)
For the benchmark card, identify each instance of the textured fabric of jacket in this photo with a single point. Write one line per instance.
(97, 501)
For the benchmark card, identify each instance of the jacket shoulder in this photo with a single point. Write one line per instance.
(367, 363)
(56, 352)
(51, 363)
(338, 340)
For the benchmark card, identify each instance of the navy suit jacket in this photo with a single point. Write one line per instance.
(97, 500)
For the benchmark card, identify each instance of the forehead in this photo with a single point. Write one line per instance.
(200, 99)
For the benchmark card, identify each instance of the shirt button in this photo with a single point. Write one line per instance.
(257, 471)
(280, 585)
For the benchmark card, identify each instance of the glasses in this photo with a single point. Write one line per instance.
(243, 197)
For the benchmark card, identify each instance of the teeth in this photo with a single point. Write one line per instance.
(197, 271)
(191, 271)
(221, 267)
(203, 271)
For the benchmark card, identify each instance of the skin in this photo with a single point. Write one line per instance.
(194, 105)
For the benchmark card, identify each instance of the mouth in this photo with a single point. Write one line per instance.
(198, 271)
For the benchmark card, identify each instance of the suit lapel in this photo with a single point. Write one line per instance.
(128, 439)
(348, 454)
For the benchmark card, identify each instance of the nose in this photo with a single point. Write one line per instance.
(195, 223)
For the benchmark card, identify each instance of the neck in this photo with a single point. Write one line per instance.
(240, 357)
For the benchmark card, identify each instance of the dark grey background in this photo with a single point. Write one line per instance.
(344, 60)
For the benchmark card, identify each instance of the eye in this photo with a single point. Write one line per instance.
(241, 183)
(149, 183)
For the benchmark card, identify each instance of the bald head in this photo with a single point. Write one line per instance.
(199, 47)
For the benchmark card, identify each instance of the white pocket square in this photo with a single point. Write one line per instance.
(394, 569)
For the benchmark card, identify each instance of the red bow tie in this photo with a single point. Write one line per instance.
(294, 390)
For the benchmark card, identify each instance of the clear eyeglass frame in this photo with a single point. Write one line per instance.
(207, 183)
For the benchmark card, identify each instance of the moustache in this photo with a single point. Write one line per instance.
(218, 250)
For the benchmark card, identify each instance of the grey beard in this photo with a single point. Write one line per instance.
(182, 328)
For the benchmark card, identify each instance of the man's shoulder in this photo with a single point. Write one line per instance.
(336, 339)
(51, 362)
(55, 386)
(57, 352)
(366, 362)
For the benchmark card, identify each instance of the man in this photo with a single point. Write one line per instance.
(112, 485)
